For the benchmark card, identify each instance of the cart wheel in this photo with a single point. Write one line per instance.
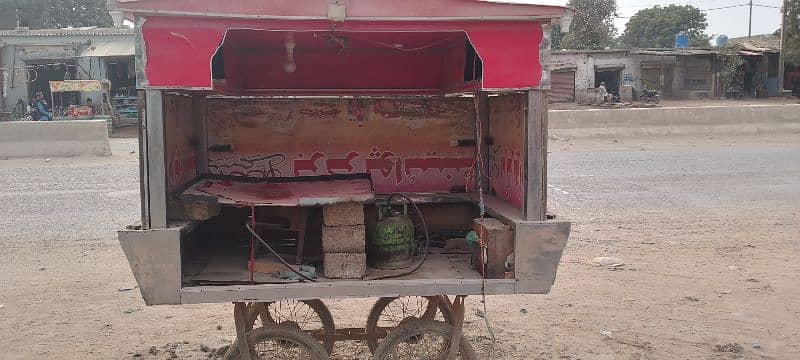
(310, 316)
(279, 342)
(422, 339)
(390, 312)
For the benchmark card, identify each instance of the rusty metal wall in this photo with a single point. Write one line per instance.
(409, 145)
(507, 154)
(178, 134)
(563, 86)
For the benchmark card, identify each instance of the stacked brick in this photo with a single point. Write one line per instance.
(344, 241)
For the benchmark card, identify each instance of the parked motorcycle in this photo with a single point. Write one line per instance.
(649, 96)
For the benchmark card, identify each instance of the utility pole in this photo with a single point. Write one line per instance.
(750, 22)
(782, 55)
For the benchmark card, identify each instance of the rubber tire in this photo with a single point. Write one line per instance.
(414, 328)
(374, 314)
(312, 346)
(320, 309)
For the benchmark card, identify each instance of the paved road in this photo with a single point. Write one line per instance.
(679, 211)
(68, 200)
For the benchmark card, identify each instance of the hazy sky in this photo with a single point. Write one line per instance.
(731, 22)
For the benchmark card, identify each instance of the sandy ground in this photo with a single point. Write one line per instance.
(708, 229)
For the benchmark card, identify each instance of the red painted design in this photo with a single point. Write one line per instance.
(310, 165)
(342, 166)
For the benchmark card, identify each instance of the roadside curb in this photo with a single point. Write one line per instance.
(708, 120)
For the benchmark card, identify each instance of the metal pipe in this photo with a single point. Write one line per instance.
(782, 54)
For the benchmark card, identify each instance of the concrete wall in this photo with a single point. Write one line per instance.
(711, 120)
(54, 138)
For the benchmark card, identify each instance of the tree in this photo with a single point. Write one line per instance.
(656, 27)
(43, 14)
(791, 48)
(593, 25)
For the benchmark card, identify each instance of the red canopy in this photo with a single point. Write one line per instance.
(413, 46)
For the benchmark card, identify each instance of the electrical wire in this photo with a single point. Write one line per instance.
(427, 238)
(482, 209)
(275, 253)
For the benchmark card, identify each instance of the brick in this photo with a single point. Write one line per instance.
(343, 214)
(344, 239)
(345, 266)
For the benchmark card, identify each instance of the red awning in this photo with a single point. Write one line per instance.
(179, 53)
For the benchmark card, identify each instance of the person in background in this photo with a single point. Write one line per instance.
(21, 110)
(41, 112)
(90, 104)
(604, 92)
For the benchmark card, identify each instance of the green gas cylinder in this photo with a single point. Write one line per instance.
(390, 242)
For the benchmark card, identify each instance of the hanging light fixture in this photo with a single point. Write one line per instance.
(290, 66)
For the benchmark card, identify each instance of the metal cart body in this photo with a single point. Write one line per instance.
(443, 101)
(177, 41)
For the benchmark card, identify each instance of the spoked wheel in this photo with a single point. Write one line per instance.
(422, 340)
(389, 313)
(309, 316)
(279, 342)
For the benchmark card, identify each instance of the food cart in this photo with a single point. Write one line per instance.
(80, 86)
(298, 151)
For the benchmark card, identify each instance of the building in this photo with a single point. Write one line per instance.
(760, 75)
(576, 73)
(676, 73)
(679, 73)
(30, 59)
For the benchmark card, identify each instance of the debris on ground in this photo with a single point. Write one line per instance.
(606, 334)
(734, 268)
(756, 346)
(219, 327)
(180, 350)
(126, 289)
(729, 348)
(479, 313)
(607, 261)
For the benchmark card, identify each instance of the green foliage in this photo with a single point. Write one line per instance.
(44, 14)
(732, 63)
(792, 40)
(593, 25)
(555, 37)
(656, 27)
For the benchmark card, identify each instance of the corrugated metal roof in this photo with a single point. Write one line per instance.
(109, 48)
(68, 32)
(674, 52)
(764, 43)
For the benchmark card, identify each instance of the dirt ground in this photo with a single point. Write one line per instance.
(708, 229)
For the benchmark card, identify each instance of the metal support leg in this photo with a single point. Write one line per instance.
(301, 235)
(458, 326)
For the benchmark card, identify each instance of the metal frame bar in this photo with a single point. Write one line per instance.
(535, 208)
(156, 159)
(348, 18)
(345, 289)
